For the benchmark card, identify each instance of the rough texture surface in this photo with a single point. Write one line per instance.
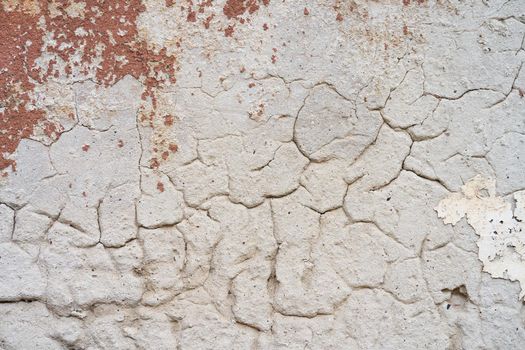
(262, 174)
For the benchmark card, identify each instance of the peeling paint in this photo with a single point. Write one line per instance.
(498, 222)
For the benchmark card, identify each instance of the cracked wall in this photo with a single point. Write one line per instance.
(262, 174)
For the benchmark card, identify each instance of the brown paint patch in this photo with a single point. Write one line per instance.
(240, 10)
(207, 21)
(192, 16)
(229, 31)
(168, 120)
(106, 49)
(236, 8)
(419, 2)
(154, 163)
(199, 8)
(18, 28)
(52, 130)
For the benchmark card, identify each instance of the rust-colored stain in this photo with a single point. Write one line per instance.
(18, 115)
(85, 148)
(160, 186)
(154, 163)
(229, 31)
(419, 2)
(236, 9)
(306, 12)
(52, 130)
(168, 120)
(103, 34)
(207, 21)
(192, 16)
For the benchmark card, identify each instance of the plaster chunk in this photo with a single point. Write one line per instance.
(300, 269)
(160, 204)
(23, 279)
(342, 133)
(7, 220)
(85, 277)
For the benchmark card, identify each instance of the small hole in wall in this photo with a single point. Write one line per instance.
(458, 297)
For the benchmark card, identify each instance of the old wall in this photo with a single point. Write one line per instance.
(262, 174)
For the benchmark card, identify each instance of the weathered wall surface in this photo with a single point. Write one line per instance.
(262, 174)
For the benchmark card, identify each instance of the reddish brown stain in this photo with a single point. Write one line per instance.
(160, 186)
(19, 116)
(235, 9)
(120, 143)
(265, 27)
(306, 12)
(192, 16)
(405, 30)
(154, 163)
(274, 59)
(109, 38)
(207, 21)
(250, 85)
(85, 148)
(229, 31)
(339, 17)
(52, 130)
(419, 2)
(168, 120)
(173, 147)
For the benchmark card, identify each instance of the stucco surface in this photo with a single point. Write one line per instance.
(262, 174)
